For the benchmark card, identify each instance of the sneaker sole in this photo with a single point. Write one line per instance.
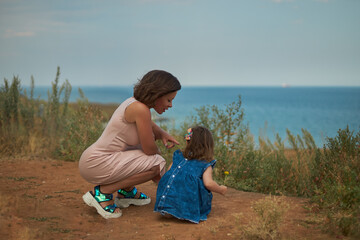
(126, 202)
(91, 201)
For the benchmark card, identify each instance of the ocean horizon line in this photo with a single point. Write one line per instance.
(211, 86)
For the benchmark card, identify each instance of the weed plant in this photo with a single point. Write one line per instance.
(266, 224)
(328, 176)
(82, 128)
(50, 128)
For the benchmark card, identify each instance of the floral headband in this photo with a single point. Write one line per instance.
(188, 135)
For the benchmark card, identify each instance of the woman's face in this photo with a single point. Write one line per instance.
(164, 103)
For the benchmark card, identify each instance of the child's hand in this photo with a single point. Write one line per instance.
(223, 189)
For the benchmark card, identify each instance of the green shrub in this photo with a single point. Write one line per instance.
(13, 134)
(268, 220)
(81, 128)
(28, 125)
(338, 186)
(231, 135)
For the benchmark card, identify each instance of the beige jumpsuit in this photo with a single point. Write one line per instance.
(117, 154)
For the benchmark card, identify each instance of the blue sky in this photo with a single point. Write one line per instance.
(202, 42)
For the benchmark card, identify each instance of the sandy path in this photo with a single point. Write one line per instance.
(41, 199)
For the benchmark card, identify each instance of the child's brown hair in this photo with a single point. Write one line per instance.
(200, 144)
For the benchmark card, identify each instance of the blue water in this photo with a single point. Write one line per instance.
(268, 110)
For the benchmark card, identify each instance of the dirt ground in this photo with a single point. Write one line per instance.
(42, 199)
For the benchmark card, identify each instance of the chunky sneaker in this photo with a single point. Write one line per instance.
(125, 198)
(94, 200)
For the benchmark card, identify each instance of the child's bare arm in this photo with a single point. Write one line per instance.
(169, 166)
(210, 184)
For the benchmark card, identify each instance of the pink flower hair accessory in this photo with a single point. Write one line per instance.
(188, 135)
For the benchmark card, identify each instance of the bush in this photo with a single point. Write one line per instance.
(338, 183)
(49, 128)
(269, 217)
(231, 135)
(81, 129)
(16, 117)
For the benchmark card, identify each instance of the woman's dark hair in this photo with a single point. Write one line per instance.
(155, 84)
(201, 145)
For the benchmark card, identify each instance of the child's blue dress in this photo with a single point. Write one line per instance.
(181, 191)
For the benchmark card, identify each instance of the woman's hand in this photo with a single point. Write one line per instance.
(168, 140)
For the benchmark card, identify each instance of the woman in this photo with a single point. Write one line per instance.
(126, 153)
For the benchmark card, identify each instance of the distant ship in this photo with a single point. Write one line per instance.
(285, 85)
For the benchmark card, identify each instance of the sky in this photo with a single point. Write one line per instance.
(201, 42)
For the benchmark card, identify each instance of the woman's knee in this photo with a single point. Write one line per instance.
(157, 176)
(155, 170)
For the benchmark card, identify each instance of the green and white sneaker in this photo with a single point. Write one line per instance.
(94, 200)
(125, 198)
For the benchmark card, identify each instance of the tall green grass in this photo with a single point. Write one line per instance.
(53, 128)
(329, 176)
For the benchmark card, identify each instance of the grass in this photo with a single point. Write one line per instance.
(329, 176)
(269, 214)
(20, 179)
(77, 191)
(26, 233)
(42, 219)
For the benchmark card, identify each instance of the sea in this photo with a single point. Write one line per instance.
(268, 111)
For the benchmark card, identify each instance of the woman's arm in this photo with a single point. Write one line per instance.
(210, 184)
(140, 114)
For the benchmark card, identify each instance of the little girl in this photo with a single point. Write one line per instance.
(185, 190)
